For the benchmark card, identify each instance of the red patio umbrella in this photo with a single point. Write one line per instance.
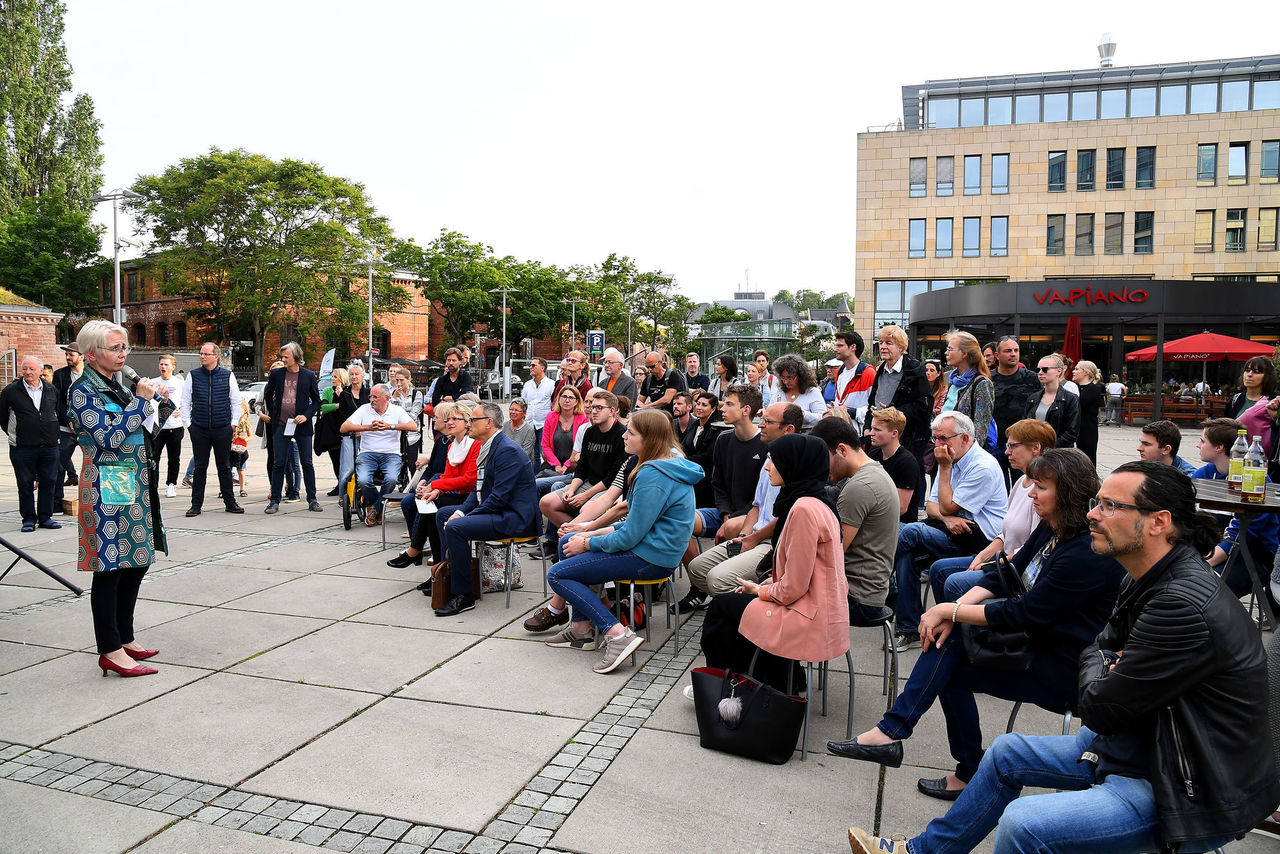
(1203, 347)
(1074, 341)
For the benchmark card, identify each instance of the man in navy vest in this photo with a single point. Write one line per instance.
(210, 409)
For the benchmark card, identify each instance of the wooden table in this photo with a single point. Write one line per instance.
(1214, 495)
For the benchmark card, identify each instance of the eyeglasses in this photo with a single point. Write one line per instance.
(769, 421)
(598, 408)
(119, 349)
(937, 438)
(475, 418)
(1013, 445)
(1044, 370)
(458, 418)
(1110, 507)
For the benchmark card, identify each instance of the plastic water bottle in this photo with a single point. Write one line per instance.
(1254, 480)
(1238, 452)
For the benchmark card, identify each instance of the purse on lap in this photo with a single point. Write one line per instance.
(984, 646)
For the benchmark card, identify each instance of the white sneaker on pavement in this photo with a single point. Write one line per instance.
(171, 491)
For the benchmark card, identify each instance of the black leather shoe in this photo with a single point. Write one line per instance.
(194, 511)
(234, 508)
(333, 493)
(50, 525)
(937, 789)
(404, 559)
(457, 605)
(889, 755)
(425, 587)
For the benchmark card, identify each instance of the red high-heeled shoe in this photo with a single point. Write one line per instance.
(141, 670)
(141, 654)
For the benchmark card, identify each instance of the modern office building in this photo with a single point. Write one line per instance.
(1139, 199)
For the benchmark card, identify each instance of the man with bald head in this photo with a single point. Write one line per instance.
(29, 417)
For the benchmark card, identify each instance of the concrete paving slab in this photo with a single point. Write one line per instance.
(305, 557)
(70, 625)
(521, 676)
(210, 583)
(379, 658)
(221, 729)
(286, 524)
(187, 836)
(464, 765)
(15, 656)
(23, 575)
(374, 564)
(45, 821)
(413, 610)
(16, 597)
(185, 546)
(35, 705)
(218, 637)
(62, 541)
(328, 596)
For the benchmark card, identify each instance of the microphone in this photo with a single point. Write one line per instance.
(129, 374)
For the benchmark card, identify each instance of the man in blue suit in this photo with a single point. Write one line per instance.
(292, 397)
(503, 504)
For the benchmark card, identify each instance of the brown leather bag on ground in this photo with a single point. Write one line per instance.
(440, 574)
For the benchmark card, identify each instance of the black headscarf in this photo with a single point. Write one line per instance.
(804, 465)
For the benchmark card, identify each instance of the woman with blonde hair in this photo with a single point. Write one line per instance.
(970, 389)
(558, 431)
(1092, 396)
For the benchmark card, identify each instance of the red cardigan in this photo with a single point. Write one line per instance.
(462, 477)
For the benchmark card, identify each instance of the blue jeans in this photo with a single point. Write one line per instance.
(945, 674)
(1116, 815)
(292, 452)
(366, 464)
(950, 577)
(572, 578)
(916, 538)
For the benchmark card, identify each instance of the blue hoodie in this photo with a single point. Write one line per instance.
(660, 509)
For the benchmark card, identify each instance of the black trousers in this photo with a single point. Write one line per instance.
(112, 599)
(217, 440)
(425, 529)
(38, 465)
(170, 441)
(726, 648)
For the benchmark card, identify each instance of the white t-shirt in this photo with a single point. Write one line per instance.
(176, 387)
(1115, 389)
(380, 441)
(538, 396)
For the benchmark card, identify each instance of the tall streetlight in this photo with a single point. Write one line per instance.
(374, 258)
(573, 322)
(114, 196)
(502, 369)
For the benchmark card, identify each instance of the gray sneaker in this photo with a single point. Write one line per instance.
(616, 650)
(567, 638)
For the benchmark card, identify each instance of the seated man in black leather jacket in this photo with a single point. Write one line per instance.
(1174, 750)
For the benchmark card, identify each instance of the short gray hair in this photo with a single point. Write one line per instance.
(494, 411)
(93, 335)
(356, 366)
(613, 351)
(39, 362)
(386, 389)
(520, 402)
(963, 423)
(294, 350)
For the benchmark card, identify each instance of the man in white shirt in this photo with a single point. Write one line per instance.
(170, 438)
(537, 393)
(379, 422)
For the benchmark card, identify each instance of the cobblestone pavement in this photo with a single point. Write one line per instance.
(307, 697)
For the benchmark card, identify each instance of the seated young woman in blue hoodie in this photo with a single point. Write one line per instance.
(647, 544)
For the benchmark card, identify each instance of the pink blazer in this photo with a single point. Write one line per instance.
(804, 613)
(549, 430)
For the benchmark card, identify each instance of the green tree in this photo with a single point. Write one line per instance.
(50, 159)
(805, 299)
(253, 243)
(716, 313)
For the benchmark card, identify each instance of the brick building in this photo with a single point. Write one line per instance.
(26, 329)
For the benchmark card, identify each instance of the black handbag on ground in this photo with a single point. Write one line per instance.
(767, 727)
(984, 646)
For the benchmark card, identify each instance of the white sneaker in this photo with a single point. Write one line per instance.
(688, 692)
(171, 491)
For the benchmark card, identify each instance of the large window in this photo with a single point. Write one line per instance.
(999, 236)
(944, 112)
(1142, 102)
(1115, 168)
(1145, 177)
(1204, 230)
(1113, 239)
(180, 334)
(999, 173)
(1235, 95)
(1267, 229)
(1000, 111)
(915, 238)
(1084, 106)
(1057, 171)
(971, 112)
(1235, 229)
(1143, 228)
(162, 335)
(1084, 234)
(1173, 100)
(131, 287)
(1238, 163)
(1206, 164)
(1270, 160)
(972, 236)
(942, 234)
(1086, 166)
(138, 338)
(1055, 107)
(917, 176)
(1054, 239)
(1026, 109)
(1204, 97)
(1113, 103)
(972, 174)
(946, 168)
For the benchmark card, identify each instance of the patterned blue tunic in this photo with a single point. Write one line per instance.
(119, 520)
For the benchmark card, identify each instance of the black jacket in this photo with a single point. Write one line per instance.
(913, 399)
(1189, 693)
(1011, 397)
(306, 402)
(62, 382)
(31, 428)
(1063, 415)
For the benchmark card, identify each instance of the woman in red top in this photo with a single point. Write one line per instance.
(446, 490)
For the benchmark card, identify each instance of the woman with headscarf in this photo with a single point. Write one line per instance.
(800, 612)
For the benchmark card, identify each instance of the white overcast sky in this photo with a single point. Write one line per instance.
(706, 139)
